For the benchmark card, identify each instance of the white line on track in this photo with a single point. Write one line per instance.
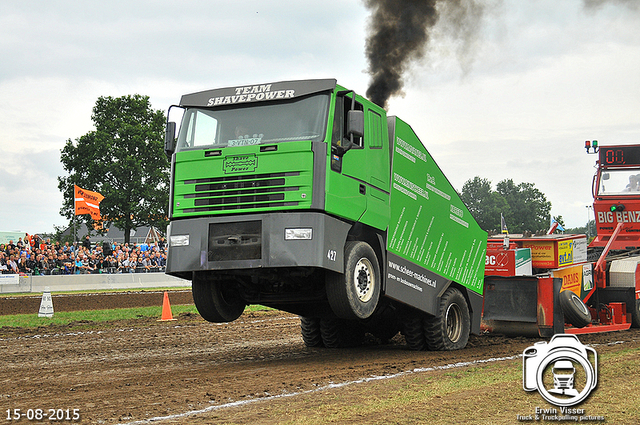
(324, 388)
(338, 385)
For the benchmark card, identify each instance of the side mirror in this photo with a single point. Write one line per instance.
(355, 123)
(170, 138)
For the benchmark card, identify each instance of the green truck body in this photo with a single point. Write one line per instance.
(303, 196)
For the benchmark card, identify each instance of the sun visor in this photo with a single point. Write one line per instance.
(257, 93)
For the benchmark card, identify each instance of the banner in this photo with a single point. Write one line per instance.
(87, 202)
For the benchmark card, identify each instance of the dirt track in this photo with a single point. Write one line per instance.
(136, 370)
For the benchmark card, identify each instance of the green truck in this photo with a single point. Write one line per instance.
(305, 197)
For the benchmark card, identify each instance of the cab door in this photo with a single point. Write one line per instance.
(358, 179)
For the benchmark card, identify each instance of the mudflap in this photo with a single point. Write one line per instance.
(522, 306)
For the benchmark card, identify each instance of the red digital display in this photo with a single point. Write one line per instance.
(620, 155)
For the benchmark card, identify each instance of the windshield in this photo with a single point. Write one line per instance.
(299, 119)
(620, 182)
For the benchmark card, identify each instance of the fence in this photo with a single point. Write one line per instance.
(87, 282)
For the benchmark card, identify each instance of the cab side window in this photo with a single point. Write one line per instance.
(340, 136)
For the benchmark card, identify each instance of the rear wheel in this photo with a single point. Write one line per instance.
(217, 301)
(355, 294)
(413, 331)
(340, 333)
(310, 329)
(575, 311)
(450, 330)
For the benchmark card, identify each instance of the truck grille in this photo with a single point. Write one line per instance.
(240, 192)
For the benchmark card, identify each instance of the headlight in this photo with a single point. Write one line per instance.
(179, 240)
(298, 234)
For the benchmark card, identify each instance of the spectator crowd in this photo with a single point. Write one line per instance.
(34, 255)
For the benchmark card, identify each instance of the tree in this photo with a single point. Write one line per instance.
(528, 210)
(484, 204)
(124, 160)
(523, 206)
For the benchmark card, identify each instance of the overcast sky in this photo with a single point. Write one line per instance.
(517, 101)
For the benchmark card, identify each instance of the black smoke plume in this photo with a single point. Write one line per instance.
(399, 31)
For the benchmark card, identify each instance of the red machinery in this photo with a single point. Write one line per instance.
(552, 284)
(616, 194)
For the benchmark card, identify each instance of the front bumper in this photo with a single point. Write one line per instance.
(256, 241)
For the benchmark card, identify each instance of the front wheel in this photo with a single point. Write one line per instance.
(217, 301)
(450, 329)
(355, 294)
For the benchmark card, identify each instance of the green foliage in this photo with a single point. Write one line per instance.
(484, 204)
(589, 229)
(528, 210)
(523, 206)
(124, 160)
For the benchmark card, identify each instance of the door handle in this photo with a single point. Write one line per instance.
(363, 189)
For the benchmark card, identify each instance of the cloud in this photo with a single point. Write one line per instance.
(541, 77)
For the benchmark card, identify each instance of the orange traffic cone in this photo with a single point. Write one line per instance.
(166, 309)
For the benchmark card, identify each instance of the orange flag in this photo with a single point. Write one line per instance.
(87, 202)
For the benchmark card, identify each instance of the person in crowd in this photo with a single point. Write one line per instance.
(32, 262)
(112, 264)
(80, 268)
(23, 267)
(12, 264)
(86, 243)
(153, 259)
(123, 263)
(3, 263)
(145, 263)
(90, 262)
(10, 246)
(60, 264)
(133, 263)
(100, 265)
(69, 263)
(51, 263)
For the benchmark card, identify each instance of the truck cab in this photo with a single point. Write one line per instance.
(616, 194)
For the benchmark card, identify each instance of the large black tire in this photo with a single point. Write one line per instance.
(217, 301)
(413, 330)
(450, 329)
(310, 329)
(575, 312)
(339, 333)
(355, 294)
(635, 316)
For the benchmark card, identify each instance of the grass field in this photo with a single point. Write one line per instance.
(97, 317)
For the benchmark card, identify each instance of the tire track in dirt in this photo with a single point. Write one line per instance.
(141, 369)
